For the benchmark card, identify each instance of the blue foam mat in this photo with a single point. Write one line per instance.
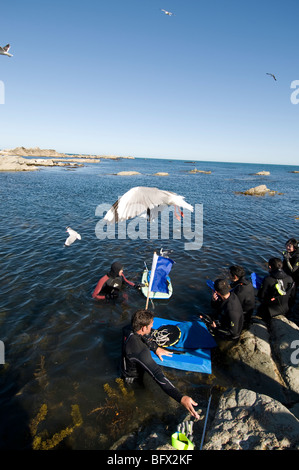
(193, 350)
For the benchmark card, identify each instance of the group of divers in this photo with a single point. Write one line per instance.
(233, 305)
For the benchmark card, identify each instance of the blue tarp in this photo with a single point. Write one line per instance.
(193, 350)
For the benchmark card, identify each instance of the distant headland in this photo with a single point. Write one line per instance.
(18, 159)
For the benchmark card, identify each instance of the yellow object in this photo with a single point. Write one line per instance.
(181, 442)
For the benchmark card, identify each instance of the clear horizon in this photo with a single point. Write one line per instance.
(123, 78)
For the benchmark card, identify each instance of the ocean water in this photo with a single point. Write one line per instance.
(62, 348)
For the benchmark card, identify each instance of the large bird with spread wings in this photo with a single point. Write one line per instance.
(144, 201)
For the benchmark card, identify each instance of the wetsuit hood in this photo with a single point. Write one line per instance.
(278, 274)
(241, 281)
(114, 270)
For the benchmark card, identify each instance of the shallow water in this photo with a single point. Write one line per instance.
(61, 346)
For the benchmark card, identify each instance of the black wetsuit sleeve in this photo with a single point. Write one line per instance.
(149, 365)
(294, 266)
(264, 293)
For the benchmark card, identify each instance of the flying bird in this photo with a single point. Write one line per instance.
(271, 75)
(4, 50)
(144, 201)
(73, 236)
(169, 13)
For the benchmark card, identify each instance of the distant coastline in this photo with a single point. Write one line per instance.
(18, 159)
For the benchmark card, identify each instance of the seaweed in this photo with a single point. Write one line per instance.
(118, 406)
(39, 443)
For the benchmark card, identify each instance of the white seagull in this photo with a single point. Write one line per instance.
(143, 201)
(4, 50)
(169, 13)
(73, 236)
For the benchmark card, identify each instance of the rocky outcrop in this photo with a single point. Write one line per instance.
(285, 347)
(15, 163)
(17, 159)
(195, 170)
(247, 420)
(260, 190)
(128, 173)
(263, 173)
(161, 173)
(32, 152)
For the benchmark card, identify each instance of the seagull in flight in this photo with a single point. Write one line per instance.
(169, 13)
(144, 201)
(4, 50)
(271, 75)
(73, 236)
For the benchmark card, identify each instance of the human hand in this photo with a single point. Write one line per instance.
(215, 296)
(162, 352)
(188, 403)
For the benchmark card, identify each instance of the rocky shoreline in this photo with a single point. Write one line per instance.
(18, 159)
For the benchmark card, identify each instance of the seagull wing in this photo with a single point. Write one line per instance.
(140, 199)
(271, 75)
(6, 48)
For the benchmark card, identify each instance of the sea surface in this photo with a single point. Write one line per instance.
(62, 348)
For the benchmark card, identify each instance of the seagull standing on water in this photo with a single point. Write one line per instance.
(142, 200)
(4, 50)
(73, 236)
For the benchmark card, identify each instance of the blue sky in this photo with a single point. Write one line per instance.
(120, 77)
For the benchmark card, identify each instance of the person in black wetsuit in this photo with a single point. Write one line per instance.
(291, 260)
(110, 285)
(229, 312)
(276, 292)
(244, 290)
(137, 359)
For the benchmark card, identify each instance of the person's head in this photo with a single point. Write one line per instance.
(291, 245)
(236, 272)
(142, 320)
(222, 287)
(116, 269)
(274, 264)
